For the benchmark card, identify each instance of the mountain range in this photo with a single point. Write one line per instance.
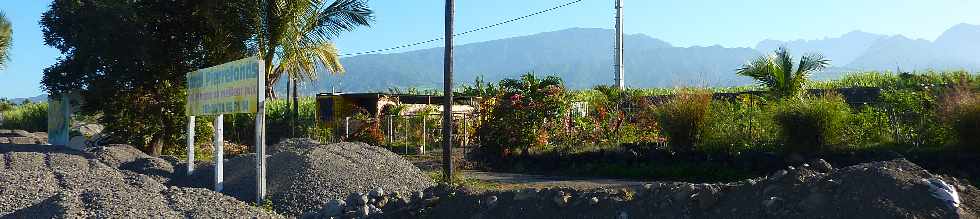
(583, 58)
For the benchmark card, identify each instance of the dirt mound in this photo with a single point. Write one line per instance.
(304, 175)
(59, 184)
(128, 158)
(22, 137)
(889, 189)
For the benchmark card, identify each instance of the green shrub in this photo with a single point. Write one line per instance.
(867, 128)
(518, 118)
(32, 117)
(966, 124)
(961, 107)
(812, 124)
(683, 119)
(736, 126)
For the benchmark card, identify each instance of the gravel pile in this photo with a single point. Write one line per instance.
(890, 189)
(51, 183)
(22, 137)
(304, 175)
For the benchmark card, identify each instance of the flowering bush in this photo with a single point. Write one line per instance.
(526, 107)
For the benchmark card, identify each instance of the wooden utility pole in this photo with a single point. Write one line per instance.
(620, 82)
(447, 109)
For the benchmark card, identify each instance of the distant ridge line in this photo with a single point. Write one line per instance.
(463, 33)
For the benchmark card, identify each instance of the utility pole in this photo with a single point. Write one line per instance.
(447, 108)
(620, 82)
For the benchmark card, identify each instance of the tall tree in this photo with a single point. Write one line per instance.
(128, 59)
(777, 73)
(6, 40)
(293, 36)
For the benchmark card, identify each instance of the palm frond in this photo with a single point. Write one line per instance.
(6, 40)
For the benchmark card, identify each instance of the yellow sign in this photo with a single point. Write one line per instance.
(225, 89)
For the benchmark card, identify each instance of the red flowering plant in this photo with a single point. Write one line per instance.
(526, 108)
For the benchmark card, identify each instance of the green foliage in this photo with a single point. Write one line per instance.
(526, 106)
(739, 125)
(32, 117)
(138, 88)
(6, 40)
(868, 127)
(812, 124)
(777, 72)
(683, 119)
(966, 124)
(296, 35)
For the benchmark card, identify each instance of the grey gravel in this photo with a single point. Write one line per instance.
(62, 184)
(304, 175)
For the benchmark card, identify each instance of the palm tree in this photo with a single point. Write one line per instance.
(6, 40)
(777, 72)
(297, 34)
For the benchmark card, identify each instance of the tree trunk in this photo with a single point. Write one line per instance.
(156, 146)
(295, 107)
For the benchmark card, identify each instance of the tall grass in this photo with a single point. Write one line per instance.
(684, 118)
(32, 117)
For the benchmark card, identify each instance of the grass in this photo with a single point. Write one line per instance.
(32, 117)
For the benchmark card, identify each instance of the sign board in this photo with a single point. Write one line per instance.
(224, 89)
(233, 87)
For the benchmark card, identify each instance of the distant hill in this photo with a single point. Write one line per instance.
(582, 57)
(39, 98)
(840, 50)
(957, 48)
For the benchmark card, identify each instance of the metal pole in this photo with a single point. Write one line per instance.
(391, 134)
(346, 128)
(219, 153)
(447, 112)
(260, 171)
(190, 145)
(620, 82)
(422, 151)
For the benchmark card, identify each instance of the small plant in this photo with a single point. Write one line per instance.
(812, 124)
(684, 118)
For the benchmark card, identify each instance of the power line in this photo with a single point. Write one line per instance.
(465, 32)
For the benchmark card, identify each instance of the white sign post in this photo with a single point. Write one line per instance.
(233, 87)
(190, 145)
(260, 137)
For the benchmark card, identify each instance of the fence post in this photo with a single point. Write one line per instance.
(346, 128)
(422, 150)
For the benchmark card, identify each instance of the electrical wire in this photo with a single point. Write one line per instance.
(463, 33)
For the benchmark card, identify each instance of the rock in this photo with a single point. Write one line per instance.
(822, 166)
(376, 193)
(22, 140)
(594, 200)
(778, 175)
(491, 201)
(364, 211)
(382, 201)
(562, 198)
(772, 204)
(4, 140)
(707, 197)
(525, 194)
(333, 208)
(814, 201)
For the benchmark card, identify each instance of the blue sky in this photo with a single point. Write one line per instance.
(682, 23)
